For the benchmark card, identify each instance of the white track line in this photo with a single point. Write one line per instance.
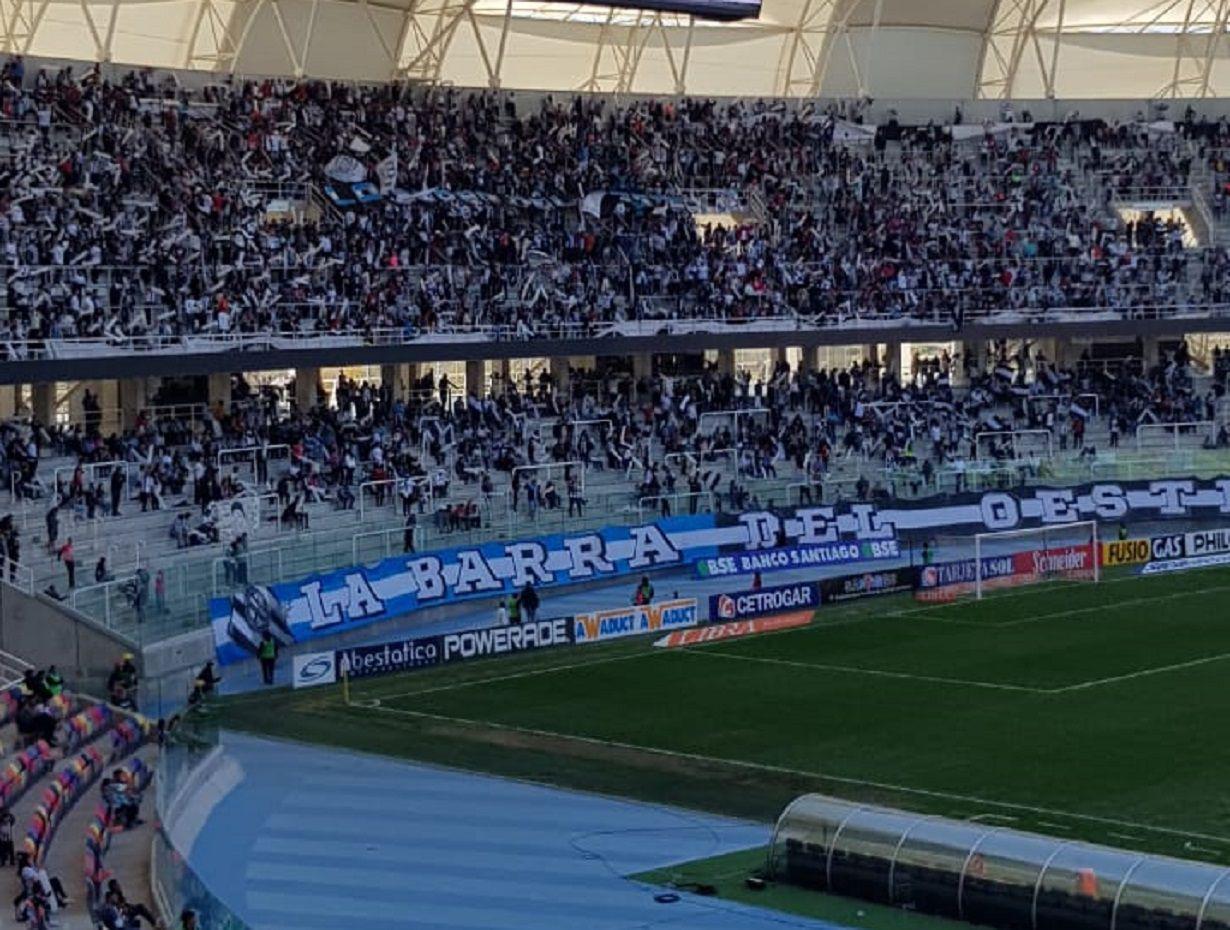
(1143, 673)
(782, 770)
(873, 672)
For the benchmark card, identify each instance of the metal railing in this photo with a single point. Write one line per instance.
(1171, 433)
(16, 575)
(858, 319)
(1017, 440)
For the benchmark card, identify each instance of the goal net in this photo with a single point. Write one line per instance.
(968, 566)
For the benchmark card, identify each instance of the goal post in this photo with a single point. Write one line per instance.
(956, 567)
(1010, 558)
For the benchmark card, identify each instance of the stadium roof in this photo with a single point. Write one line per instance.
(956, 49)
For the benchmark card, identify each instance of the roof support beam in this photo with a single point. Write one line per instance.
(1197, 47)
(620, 49)
(1013, 29)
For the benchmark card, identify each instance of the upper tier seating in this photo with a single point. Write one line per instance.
(145, 213)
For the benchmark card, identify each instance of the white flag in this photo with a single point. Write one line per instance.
(386, 173)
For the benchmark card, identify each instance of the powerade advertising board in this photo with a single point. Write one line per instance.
(335, 602)
(744, 604)
(403, 655)
(773, 560)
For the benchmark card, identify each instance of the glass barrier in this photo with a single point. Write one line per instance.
(177, 887)
(991, 875)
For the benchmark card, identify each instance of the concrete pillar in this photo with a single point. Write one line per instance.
(726, 362)
(973, 358)
(476, 377)
(220, 393)
(642, 366)
(307, 387)
(8, 401)
(1065, 352)
(108, 396)
(44, 402)
(134, 397)
(1151, 350)
(561, 374)
(809, 358)
(398, 377)
(892, 357)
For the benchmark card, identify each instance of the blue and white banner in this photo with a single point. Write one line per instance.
(780, 599)
(327, 604)
(851, 532)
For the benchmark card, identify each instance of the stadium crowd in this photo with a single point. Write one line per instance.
(141, 208)
(459, 462)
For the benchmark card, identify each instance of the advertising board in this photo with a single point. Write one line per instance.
(866, 584)
(743, 604)
(603, 625)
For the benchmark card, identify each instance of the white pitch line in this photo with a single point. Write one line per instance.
(873, 672)
(783, 770)
(1143, 673)
(1109, 607)
(516, 676)
(1037, 590)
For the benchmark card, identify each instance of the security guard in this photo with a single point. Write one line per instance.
(267, 652)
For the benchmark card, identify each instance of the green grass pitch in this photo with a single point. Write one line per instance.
(1094, 711)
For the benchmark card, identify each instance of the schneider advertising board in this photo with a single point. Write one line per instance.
(335, 602)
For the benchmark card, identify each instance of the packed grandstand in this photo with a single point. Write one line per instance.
(141, 212)
(747, 448)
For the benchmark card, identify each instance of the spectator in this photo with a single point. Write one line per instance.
(160, 592)
(644, 592)
(65, 555)
(7, 821)
(101, 572)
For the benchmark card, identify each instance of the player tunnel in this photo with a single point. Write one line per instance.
(990, 875)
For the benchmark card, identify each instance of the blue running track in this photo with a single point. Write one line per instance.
(301, 838)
